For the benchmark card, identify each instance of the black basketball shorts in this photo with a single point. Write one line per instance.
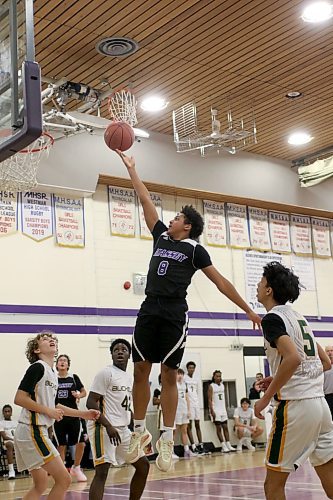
(160, 331)
(68, 431)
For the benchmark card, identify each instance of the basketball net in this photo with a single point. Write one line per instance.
(19, 172)
(122, 107)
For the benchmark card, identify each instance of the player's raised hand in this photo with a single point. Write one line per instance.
(129, 162)
(255, 318)
(113, 435)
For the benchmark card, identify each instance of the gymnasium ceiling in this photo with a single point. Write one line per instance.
(250, 52)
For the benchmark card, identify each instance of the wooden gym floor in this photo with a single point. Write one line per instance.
(234, 476)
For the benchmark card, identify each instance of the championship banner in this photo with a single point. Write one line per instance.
(122, 211)
(215, 225)
(279, 231)
(321, 237)
(144, 231)
(8, 213)
(69, 221)
(36, 215)
(238, 226)
(259, 231)
(300, 229)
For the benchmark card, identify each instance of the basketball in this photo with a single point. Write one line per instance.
(119, 135)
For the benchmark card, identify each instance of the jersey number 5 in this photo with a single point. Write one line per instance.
(309, 347)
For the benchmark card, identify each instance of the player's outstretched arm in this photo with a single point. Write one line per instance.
(72, 412)
(149, 210)
(230, 291)
(325, 360)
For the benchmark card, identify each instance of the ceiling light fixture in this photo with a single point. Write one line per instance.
(294, 94)
(299, 138)
(317, 12)
(154, 103)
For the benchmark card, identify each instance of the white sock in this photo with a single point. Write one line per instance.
(186, 447)
(11, 467)
(193, 447)
(167, 435)
(139, 425)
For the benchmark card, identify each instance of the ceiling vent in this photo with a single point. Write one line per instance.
(117, 46)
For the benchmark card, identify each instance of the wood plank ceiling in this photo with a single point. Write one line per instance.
(247, 51)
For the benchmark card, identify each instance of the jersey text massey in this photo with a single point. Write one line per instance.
(170, 254)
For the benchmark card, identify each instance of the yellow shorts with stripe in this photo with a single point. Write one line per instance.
(301, 429)
(33, 447)
(103, 450)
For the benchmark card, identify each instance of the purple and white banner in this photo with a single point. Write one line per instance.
(36, 215)
(8, 213)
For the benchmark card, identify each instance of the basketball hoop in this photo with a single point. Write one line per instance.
(122, 107)
(18, 173)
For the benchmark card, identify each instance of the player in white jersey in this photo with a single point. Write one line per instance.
(183, 412)
(7, 431)
(246, 426)
(37, 395)
(111, 392)
(302, 425)
(218, 412)
(193, 384)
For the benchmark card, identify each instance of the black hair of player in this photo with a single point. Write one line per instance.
(6, 406)
(192, 216)
(190, 363)
(120, 341)
(180, 371)
(214, 373)
(64, 356)
(245, 400)
(283, 282)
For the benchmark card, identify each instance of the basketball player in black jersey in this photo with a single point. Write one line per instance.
(161, 327)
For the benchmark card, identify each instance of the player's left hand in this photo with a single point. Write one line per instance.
(255, 318)
(76, 394)
(259, 406)
(92, 414)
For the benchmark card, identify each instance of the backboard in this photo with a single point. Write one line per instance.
(20, 87)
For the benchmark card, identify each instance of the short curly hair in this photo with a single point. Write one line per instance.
(32, 345)
(284, 283)
(192, 216)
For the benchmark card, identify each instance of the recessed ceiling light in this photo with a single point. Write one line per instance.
(154, 103)
(317, 12)
(298, 138)
(294, 94)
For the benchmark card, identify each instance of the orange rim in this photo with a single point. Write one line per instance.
(42, 148)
